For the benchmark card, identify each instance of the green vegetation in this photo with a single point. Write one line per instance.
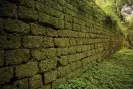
(113, 9)
(113, 73)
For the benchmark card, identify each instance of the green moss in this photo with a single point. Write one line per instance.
(115, 73)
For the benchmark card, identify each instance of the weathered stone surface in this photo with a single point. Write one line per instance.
(44, 18)
(61, 72)
(37, 29)
(58, 82)
(33, 41)
(71, 58)
(1, 24)
(48, 86)
(40, 54)
(52, 33)
(48, 64)
(35, 82)
(48, 42)
(21, 84)
(61, 42)
(50, 76)
(26, 3)
(16, 26)
(16, 56)
(10, 41)
(26, 13)
(1, 57)
(63, 60)
(26, 70)
(8, 9)
(6, 74)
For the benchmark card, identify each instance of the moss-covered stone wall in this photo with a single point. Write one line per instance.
(44, 43)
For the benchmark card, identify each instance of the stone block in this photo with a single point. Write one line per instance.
(35, 82)
(68, 26)
(10, 41)
(61, 42)
(16, 26)
(37, 29)
(33, 41)
(73, 66)
(58, 82)
(72, 50)
(44, 18)
(57, 13)
(7, 86)
(61, 72)
(40, 7)
(8, 9)
(48, 86)
(21, 84)
(68, 69)
(62, 33)
(1, 24)
(26, 70)
(48, 64)
(62, 51)
(1, 57)
(40, 54)
(63, 60)
(58, 23)
(48, 42)
(72, 41)
(50, 76)
(71, 58)
(25, 13)
(26, 3)
(6, 74)
(52, 33)
(16, 56)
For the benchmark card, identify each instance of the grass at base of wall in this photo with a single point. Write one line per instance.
(114, 73)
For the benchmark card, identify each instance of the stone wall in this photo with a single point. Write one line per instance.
(44, 43)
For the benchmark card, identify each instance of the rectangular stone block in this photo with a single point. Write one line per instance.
(58, 82)
(16, 26)
(72, 41)
(62, 60)
(50, 76)
(6, 74)
(21, 84)
(26, 3)
(68, 26)
(48, 86)
(62, 51)
(52, 33)
(1, 57)
(8, 9)
(72, 50)
(41, 54)
(26, 70)
(40, 7)
(33, 41)
(44, 18)
(17, 56)
(10, 41)
(71, 58)
(48, 42)
(61, 42)
(35, 82)
(25, 13)
(73, 66)
(37, 29)
(61, 72)
(48, 64)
